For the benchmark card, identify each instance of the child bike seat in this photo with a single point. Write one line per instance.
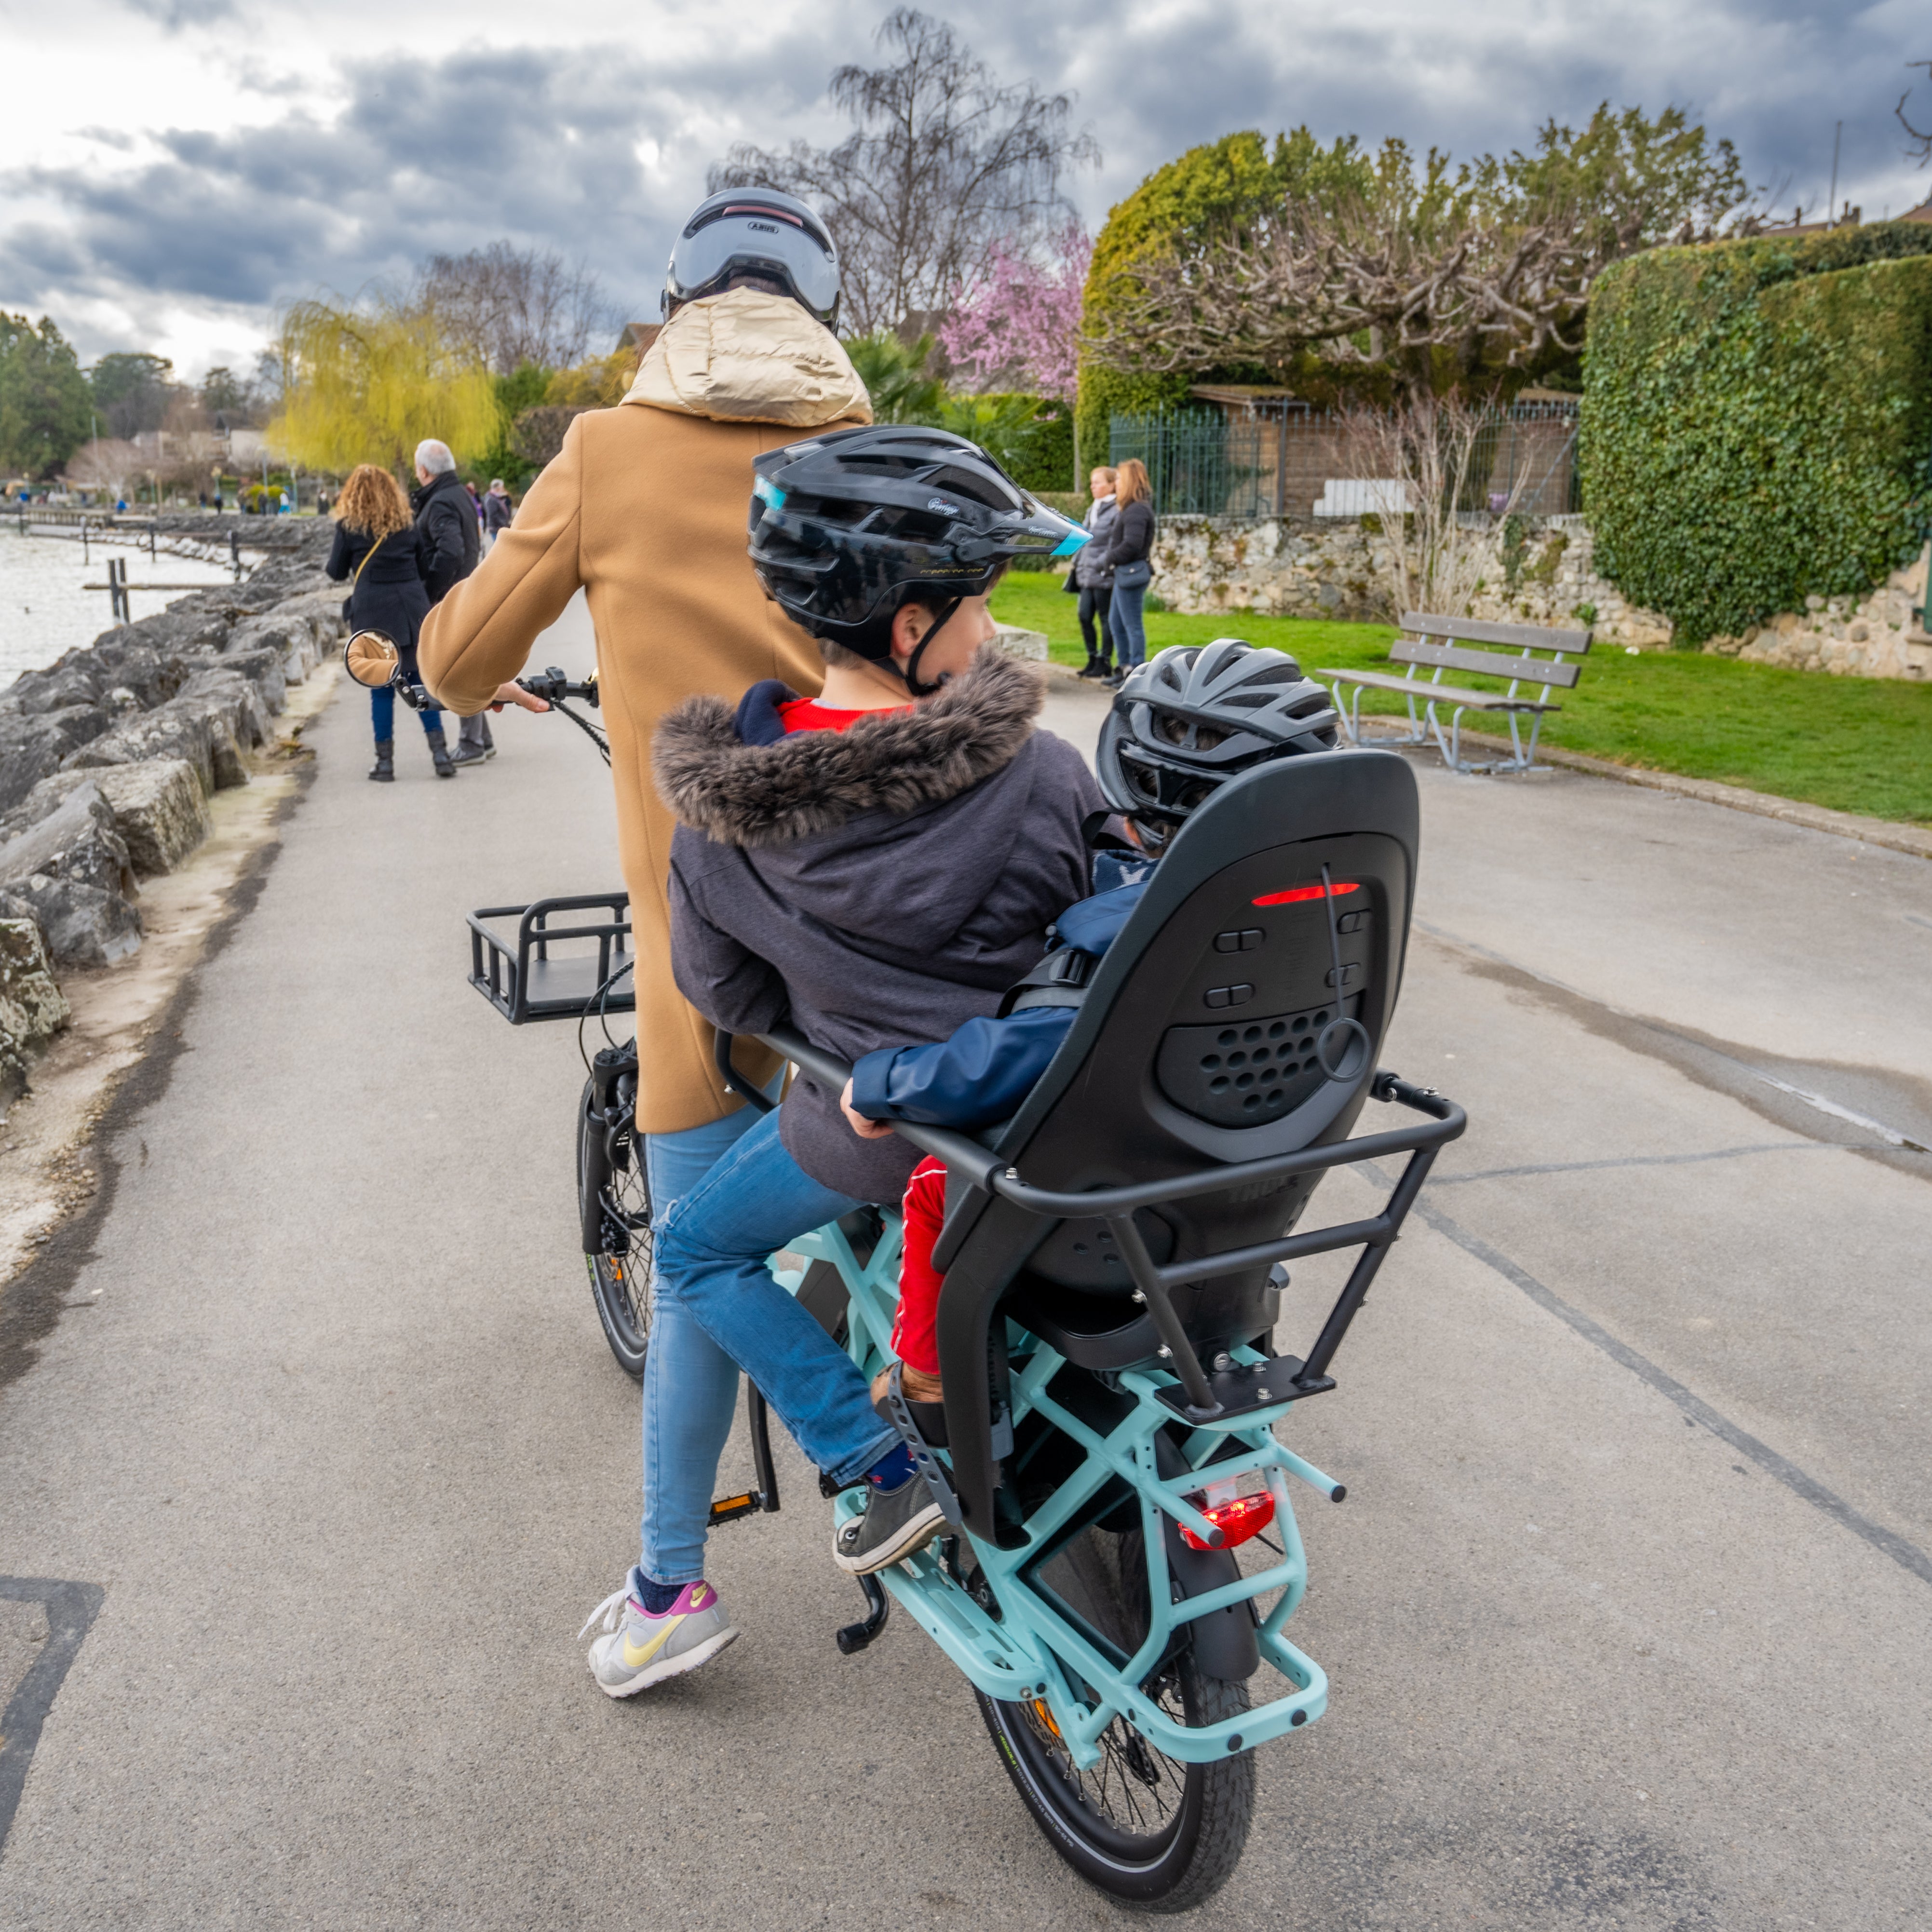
(1238, 1015)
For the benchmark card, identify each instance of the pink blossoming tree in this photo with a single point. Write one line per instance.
(1018, 323)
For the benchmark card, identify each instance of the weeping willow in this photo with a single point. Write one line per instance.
(367, 383)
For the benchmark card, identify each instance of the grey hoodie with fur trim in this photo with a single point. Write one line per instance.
(874, 887)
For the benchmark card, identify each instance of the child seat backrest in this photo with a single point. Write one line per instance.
(1200, 1041)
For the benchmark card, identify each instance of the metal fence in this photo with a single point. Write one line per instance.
(1307, 462)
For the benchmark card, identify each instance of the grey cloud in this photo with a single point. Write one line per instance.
(176, 14)
(539, 144)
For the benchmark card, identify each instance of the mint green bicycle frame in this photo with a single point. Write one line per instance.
(1033, 1650)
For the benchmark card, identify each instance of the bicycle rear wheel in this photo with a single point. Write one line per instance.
(1146, 1828)
(614, 1196)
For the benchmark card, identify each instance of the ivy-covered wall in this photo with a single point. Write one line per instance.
(1757, 421)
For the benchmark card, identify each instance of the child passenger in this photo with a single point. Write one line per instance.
(1180, 726)
(873, 867)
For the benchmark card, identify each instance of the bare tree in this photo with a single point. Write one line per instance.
(1379, 263)
(1420, 463)
(1357, 289)
(942, 163)
(108, 463)
(512, 306)
(1921, 138)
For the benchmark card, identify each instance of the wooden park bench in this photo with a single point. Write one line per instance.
(1437, 644)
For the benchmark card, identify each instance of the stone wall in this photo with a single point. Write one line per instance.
(1287, 568)
(1282, 567)
(1869, 637)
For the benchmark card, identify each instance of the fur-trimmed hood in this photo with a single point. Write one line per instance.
(813, 782)
(872, 887)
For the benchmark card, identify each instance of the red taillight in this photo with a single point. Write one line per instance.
(1297, 894)
(1237, 1518)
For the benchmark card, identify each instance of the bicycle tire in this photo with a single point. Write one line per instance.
(619, 1281)
(1205, 1810)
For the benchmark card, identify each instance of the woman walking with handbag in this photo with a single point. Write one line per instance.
(375, 548)
(1129, 556)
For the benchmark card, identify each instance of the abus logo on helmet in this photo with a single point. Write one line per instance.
(763, 227)
(944, 508)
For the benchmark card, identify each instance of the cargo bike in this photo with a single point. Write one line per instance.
(1115, 1257)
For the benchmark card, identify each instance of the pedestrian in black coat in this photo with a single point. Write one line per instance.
(376, 550)
(1094, 575)
(452, 546)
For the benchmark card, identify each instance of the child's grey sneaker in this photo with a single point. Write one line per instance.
(896, 1523)
(639, 1650)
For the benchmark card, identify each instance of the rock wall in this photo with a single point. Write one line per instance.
(1340, 568)
(1541, 572)
(108, 757)
(1870, 637)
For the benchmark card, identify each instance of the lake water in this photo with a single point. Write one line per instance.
(44, 611)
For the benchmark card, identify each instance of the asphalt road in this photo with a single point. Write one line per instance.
(1627, 1615)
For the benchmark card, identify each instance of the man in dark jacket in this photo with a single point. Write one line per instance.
(449, 545)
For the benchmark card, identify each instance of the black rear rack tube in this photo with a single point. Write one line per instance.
(983, 1169)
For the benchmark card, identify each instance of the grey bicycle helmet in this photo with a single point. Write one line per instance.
(756, 231)
(846, 528)
(1184, 723)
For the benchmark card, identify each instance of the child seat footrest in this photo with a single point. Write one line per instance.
(928, 1464)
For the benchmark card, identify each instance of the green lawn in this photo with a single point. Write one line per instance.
(1856, 744)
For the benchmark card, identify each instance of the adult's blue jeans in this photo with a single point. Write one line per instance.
(382, 711)
(715, 1310)
(1126, 624)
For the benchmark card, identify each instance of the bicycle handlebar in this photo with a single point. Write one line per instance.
(552, 686)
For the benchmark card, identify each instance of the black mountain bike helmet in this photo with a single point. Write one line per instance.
(755, 231)
(1186, 721)
(846, 528)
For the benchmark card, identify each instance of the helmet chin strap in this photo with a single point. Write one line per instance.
(910, 673)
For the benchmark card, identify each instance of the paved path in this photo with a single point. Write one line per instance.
(1627, 1614)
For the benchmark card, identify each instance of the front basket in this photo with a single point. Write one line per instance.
(519, 974)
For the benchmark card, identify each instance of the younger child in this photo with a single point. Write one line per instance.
(1181, 726)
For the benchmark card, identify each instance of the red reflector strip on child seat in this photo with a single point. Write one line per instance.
(1237, 1519)
(1296, 894)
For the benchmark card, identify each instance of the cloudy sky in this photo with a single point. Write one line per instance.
(171, 170)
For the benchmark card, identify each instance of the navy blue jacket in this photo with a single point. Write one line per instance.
(987, 1067)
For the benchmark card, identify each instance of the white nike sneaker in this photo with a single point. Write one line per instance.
(639, 1650)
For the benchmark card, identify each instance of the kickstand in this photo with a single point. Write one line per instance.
(855, 1636)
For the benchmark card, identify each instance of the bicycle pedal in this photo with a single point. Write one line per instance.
(729, 1509)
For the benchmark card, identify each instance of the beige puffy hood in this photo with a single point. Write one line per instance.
(746, 356)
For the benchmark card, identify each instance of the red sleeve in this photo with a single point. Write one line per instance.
(914, 1341)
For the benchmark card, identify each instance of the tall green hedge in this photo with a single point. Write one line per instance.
(1757, 421)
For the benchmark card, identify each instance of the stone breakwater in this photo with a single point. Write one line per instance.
(109, 756)
(1542, 572)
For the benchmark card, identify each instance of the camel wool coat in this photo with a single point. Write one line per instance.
(644, 509)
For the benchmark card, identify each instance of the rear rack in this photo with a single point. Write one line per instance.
(1288, 1378)
(524, 982)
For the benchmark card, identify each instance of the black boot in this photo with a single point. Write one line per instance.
(439, 752)
(1091, 668)
(383, 771)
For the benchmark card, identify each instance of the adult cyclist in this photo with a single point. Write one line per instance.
(643, 510)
